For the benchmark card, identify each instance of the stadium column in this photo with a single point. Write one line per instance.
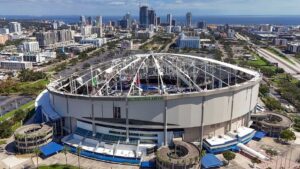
(68, 117)
(202, 121)
(231, 113)
(250, 111)
(165, 125)
(93, 119)
(127, 121)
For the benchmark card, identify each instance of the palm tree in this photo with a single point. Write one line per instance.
(202, 154)
(78, 150)
(65, 151)
(37, 152)
(1, 110)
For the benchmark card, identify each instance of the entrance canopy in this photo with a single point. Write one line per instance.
(50, 149)
(259, 135)
(210, 161)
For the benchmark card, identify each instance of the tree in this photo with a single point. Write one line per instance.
(86, 65)
(287, 135)
(65, 151)
(264, 89)
(228, 155)
(271, 153)
(202, 154)
(272, 103)
(37, 152)
(255, 161)
(78, 151)
(26, 75)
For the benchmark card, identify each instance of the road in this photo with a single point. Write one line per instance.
(288, 67)
(92, 61)
(9, 103)
(169, 44)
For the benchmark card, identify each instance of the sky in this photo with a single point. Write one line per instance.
(162, 7)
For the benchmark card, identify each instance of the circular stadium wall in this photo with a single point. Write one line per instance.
(156, 97)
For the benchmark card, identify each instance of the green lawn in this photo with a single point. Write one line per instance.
(17, 87)
(29, 105)
(2, 142)
(280, 55)
(56, 166)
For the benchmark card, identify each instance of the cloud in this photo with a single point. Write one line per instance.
(117, 3)
(176, 7)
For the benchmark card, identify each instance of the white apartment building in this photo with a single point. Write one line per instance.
(86, 30)
(32, 46)
(15, 27)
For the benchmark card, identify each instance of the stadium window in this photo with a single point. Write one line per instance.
(117, 113)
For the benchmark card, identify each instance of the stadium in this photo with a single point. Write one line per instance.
(127, 107)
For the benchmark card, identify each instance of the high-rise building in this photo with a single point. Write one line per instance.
(202, 25)
(152, 17)
(89, 20)
(54, 25)
(30, 46)
(99, 21)
(173, 22)
(86, 30)
(15, 27)
(169, 19)
(46, 39)
(127, 19)
(189, 19)
(158, 20)
(82, 20)
(144, 16)
(97, 30)
(124, 23)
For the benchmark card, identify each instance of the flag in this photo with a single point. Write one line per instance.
(94, 81)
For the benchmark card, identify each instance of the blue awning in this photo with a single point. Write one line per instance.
(259, 135)
(147, 164)
(51, 148)
(210, 161)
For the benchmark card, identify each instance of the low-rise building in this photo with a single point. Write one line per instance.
(127, 44)
(97, 42)
(188, 41)
(77, 48)
(293, 47)
(3, 39)
(176, 29)
(280, 42)
(15, 65)
(230, 33)
(169, 29)
(4, 31)
(144, 34)
(39, 57)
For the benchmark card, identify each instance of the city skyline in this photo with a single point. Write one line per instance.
(119, 7)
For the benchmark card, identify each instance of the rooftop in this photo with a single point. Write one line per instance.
(153, 74)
